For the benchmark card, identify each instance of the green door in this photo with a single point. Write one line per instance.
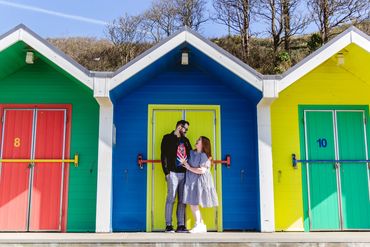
(354, 177)
(202, 122)
(337, 193)
(322, 177)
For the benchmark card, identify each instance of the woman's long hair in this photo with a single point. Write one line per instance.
(206, 146)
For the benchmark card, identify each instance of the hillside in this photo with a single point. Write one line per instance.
(102, 55)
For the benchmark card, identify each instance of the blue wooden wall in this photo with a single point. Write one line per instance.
(202, 82)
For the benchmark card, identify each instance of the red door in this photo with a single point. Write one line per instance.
(47, 185)
(16, 143)
(31, 195)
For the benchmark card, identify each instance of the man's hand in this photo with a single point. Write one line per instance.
(182, 160)
(167, 176)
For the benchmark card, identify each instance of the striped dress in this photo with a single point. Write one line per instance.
(199, 189)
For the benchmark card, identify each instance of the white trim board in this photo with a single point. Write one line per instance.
(22, 33)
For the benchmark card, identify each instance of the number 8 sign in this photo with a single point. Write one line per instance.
(17, 142)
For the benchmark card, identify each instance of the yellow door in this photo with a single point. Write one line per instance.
(162, 120)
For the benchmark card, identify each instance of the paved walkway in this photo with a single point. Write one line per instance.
(225, 237)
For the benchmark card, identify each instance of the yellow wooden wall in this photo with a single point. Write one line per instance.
(328, 84)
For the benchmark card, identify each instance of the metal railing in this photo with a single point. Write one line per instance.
(75, 160)
(295, 161)
(141, 161)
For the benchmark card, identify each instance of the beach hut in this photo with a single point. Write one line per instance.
(320, 139)
(185, 77)
(49, 137)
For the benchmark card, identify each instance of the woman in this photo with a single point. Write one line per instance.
(199, 188)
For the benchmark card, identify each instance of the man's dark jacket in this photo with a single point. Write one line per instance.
(169, 146)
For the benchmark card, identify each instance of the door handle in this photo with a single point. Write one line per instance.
(30, 165)
(337, 165)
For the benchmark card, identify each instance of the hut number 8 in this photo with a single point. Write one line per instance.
(322, 142)
(17, 142)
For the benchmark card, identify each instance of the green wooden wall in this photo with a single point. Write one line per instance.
(44, 83)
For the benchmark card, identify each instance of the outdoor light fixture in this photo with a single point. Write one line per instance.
(340, 58)
(29, 57)
(184, 56)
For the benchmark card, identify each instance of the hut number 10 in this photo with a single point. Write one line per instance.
(322, 142)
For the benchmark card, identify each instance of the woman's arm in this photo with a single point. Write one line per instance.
(200, 170)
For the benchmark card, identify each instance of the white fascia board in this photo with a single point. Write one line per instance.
(360, 41)
(56, 58)
(9, 40)
(45, 50)
(147, 60)
(314, 62)
(224, 60)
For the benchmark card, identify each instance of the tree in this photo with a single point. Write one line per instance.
(271, 12)
(329, 14)
(191, 13)
(160, 19)
(294, 20)
(126, 33)
(314, 42)
(283, 20)
(236, 15)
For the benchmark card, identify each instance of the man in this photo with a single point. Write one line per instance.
(174, 148)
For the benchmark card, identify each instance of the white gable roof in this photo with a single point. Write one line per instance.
(351, 35)
(22, 33)
(207, 47)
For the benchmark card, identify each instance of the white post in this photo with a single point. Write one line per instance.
(104, 183)
(266, 182)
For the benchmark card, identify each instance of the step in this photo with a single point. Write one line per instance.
(319, 239)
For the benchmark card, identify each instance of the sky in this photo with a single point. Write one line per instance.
(71, 18)
(67, 18)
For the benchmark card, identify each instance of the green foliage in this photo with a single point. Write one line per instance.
(283, 62)
(315, 41)
(283, 56)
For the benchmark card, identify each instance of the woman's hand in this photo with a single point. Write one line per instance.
(186, 165)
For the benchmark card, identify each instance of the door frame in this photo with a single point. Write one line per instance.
(68, 108)
(302, 140)
(151, 108)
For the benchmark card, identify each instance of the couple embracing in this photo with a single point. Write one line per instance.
(188, 176)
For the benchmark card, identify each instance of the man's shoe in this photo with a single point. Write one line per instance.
(182, 229)
(169, 229)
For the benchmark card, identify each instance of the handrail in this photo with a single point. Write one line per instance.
(141, 161)
(295, 161)
(75, 160)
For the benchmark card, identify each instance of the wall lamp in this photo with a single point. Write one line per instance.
(30, 57)
(185, 56)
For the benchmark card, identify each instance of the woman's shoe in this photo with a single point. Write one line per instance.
(199, 228)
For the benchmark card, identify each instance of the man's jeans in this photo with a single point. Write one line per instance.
(175, 186)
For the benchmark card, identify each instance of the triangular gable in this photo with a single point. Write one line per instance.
(213, 51)
(351, 35)
(22, 33)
